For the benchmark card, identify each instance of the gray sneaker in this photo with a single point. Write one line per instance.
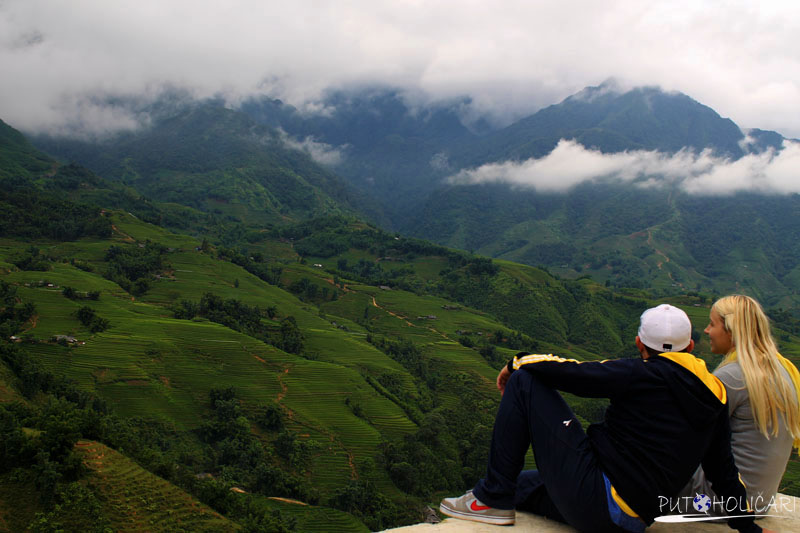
(467, 507)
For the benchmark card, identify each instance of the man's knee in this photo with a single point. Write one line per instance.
(533, 395)
(522, 380)
(517, 378)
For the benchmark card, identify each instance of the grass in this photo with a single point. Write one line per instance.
(310, 518)
(8, 391)
(136, 500)
(149, 364)
(19, 503)
(152, 365)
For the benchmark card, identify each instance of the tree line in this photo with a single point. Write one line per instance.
(247, 319)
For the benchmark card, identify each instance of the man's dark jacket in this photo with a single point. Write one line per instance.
(667, 415)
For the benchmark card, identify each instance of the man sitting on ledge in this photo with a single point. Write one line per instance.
(667, 415)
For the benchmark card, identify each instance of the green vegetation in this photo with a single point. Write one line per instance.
(388, 372)
(91, 321)
(269, 372)
(133, 267)
(216, 160)
(29, 213)
(629, 237)
(246, 319)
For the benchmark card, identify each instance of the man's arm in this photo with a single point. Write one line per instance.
(721, 471)
(592, 379)
(502, 379)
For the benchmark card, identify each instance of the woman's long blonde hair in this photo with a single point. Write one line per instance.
(753, 347)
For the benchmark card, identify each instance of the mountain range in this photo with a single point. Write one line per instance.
(287, 381)
(227, 320)
(397, 163)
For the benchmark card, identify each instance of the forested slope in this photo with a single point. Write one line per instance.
(326, 362)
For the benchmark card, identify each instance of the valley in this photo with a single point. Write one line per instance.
(206, 329)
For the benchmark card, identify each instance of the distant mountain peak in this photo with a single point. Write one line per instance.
(611, 86)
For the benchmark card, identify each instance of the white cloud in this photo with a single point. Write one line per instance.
(570, 164)
(740, 57)
(440, 161)
(322, 153)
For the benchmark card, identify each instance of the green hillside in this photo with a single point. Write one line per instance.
(634, 237)
(210, 158)
(392, 151)
(375, 366)
(629, 237)
(226, 174)
(18, 158)
(318, 373)
(394, 353)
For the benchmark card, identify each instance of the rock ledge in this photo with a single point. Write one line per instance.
(786, 518)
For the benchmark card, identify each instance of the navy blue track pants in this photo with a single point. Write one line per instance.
(568, 485)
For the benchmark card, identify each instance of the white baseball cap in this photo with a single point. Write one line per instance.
(665, 328)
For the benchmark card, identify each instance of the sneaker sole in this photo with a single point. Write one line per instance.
(495, 520)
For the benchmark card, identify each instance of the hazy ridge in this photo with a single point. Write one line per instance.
(248, 336)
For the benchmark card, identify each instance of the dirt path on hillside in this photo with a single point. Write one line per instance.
(662, 254)
(656, 250)
(126, 237)
(344, 287)
(286, 500)
(405, 319)
(331, 437)
(284, 387)
(34, 320)
(351, 462)
(375, 304)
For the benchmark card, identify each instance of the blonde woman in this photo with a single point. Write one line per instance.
(762, 388)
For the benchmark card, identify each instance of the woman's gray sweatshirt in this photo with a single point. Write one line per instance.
(761, 461)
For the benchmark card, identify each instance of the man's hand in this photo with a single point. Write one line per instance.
(502, 379)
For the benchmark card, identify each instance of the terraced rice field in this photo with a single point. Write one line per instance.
(154, 366)
(312, 519)
(170, 379)
(151, 365)
(315, 394)
(137, 501)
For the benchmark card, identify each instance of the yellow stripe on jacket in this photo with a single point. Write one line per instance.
(538, 358)
(698, 368)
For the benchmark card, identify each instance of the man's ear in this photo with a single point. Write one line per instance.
(690, 347)
(641, 347)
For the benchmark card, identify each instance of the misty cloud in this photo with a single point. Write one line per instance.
(741, 58)
(440, 161)
(322, 153)
(571, 164)
(90, 117)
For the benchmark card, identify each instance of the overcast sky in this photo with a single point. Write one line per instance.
(58, 58)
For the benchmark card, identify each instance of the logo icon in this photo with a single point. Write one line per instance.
(567, 422)
(701, 503)
(475, 506)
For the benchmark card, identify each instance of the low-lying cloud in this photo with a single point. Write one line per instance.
(571, 164)
(739, 58)
(322, 153)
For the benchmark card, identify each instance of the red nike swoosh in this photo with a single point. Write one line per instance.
(475, 507)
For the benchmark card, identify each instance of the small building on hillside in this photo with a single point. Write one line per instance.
(68, 339)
